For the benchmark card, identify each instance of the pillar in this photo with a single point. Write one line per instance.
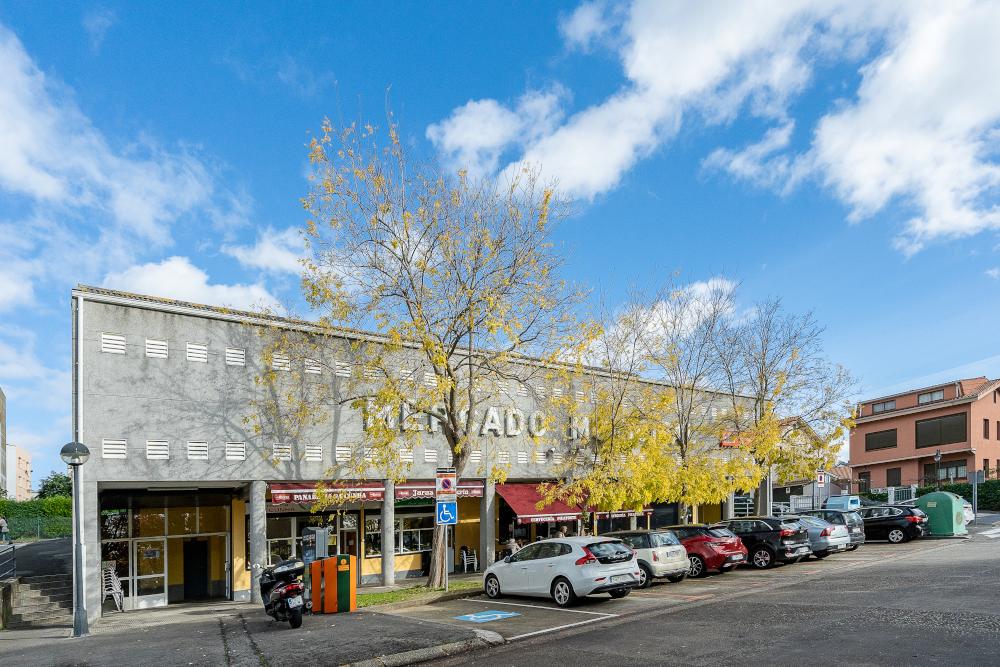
(258, 536)
(93, 583)
(727, 506)
(487, 528)
(389, 534)
(633, 522)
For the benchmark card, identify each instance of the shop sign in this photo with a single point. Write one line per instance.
(426, 491)
(547, 518)
(289, 493)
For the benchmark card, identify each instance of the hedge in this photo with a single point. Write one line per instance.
(989, 493)
(40, 507)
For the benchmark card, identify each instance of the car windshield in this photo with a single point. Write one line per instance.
(606, 549)
(664, 539)
(811, 521)
(853, 518)
(791, 525)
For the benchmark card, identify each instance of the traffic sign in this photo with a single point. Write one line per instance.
(446, 485)
(447, 513)
(821, 479)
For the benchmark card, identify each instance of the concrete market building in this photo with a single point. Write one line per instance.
(186, 501)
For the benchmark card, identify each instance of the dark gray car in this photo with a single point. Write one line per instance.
(849, 518)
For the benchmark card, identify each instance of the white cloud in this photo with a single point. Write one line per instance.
(922, 129)
(274, 252)
(83, 204)
(97, 22)
(476, 135)
(178, 278)
(993, 273)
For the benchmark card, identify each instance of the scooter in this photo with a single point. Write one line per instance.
(281, 588)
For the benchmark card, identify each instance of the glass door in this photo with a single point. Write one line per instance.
(150, 580)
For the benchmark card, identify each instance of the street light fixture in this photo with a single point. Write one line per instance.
(75, 454)
(937, 468)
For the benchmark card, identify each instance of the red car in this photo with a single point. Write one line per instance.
(710, 548)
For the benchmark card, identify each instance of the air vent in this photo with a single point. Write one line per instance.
(197, 352)
(430, 455)
(342, 369)
(156, 349)
(557, 457)
(281, 452)
(430, 379)
(369, 454)
(313, 367)
(112, 343)
(538, 457)
(113, 449)
(157, 450)
(406, 454)
(280, 362)
(522, 458)
(197, 451)
(476, 456)
(557, 391)
(236, 356)
(236, 451)
(314, 453)
(342, 454)
(520, 388)
(503, 457)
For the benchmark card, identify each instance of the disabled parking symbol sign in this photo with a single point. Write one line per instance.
(487, 616)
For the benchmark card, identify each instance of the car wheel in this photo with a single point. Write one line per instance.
(896, 535)
(697, 567)
(492, 587)
(821, 555)
(853, 547)
(728, 568)
(562, 592)
(762, 558)
(616, 595)
(677, 578)
(645, 576)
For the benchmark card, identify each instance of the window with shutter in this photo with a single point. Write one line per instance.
(197, 353)
(280, 452)
(112, 343)
(156, 349)
(157, 450)
(113, 449)
(236, 356)
(236, 451)
(314, 453)
(197, 451)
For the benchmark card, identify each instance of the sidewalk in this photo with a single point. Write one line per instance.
(239, 634)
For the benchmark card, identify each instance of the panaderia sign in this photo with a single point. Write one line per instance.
(359, 492)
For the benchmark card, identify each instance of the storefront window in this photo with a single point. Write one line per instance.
(278, 550)
(415, 533)
(182, 520)
(114, 524)
(149, 586)
(373, 535)
(148, 522)
(212, 519)
(117, 553)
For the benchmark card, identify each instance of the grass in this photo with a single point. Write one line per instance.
(414, 593)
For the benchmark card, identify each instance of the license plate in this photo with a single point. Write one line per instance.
(736, 557)
(855, 530)
(295, 602)
(620, 578)
(802, 550)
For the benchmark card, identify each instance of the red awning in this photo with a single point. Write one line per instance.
(305, 492)
(524, 498)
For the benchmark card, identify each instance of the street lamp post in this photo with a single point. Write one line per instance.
(937, 468)
(75, 454)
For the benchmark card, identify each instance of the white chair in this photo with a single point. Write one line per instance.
(469, 557)
(112, 585)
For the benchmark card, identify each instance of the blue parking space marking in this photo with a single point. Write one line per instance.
(487, 616)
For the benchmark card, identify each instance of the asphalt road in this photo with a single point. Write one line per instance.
(929, 603)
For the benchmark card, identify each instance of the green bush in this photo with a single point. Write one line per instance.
(989, 493)
(53, 506)
(877, 497)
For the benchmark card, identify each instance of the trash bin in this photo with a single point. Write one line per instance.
(334, 585)
(945, 513)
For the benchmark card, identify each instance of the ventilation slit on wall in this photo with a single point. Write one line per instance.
(314, 453)
(281, 362)
(406, 454)
(522, 458)
(157, 450)
(156, 349)
(342, 454)
(236, 451)
(313, 367)
(503, 457)
(236, 356)
(342, 369)
(476, 456)
(197, 451)
(112, 343)
(430, 455)
(281, 452)
(113, 449)
(197, 352)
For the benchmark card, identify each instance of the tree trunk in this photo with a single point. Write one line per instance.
(439, 559)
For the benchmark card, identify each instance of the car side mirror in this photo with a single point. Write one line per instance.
(507, 560)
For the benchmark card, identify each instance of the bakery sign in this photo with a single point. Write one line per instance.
(360, 492)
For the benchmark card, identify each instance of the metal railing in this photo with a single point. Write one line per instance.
(8, 562)
(743, 506)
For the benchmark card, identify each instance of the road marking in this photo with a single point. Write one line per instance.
(487, 616)
(559, 627)
(535, 606)
(992, 533)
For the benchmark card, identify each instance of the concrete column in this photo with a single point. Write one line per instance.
(633, 522)
(389, 534)
(727, 506)
(258, 536)
(487, 529)
(93, 584)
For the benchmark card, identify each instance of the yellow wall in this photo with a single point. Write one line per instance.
(710, 513)
(467, 530)
(241, 576)
(217, 558)
(175, 561)
(403, 562)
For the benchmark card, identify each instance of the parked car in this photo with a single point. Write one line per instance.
(895, 523)
(712, 547)
(770, 539)
(825, 538)
(659, 552)
(564, 569)
(966, 508)
(851, 520)
(842, 503)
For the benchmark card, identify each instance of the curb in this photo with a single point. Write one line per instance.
(483, 639)
(420, 601)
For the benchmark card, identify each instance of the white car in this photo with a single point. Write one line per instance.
(659, 552)
(565, 568)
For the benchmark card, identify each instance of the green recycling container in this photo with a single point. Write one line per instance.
(945, 513)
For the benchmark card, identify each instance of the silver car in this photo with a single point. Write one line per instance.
(825, 538)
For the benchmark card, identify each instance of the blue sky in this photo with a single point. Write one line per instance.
(841, 157)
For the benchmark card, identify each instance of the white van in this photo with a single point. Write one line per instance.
(842, 503)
